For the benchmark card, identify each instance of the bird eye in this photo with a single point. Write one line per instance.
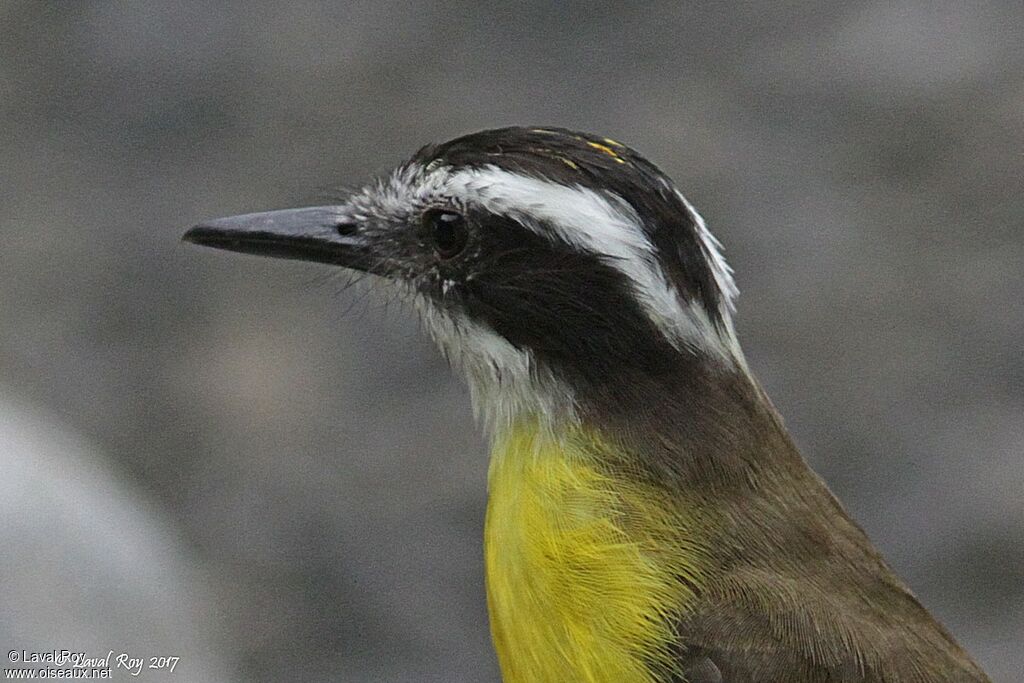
(446, 231)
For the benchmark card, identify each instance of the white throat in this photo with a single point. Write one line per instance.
(506, 384)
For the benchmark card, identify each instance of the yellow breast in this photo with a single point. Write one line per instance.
(587, 570)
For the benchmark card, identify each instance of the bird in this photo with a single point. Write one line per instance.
(649, 518)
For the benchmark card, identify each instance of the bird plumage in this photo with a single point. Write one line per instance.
(649, 518)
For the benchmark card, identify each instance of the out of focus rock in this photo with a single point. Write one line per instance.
(88, 564)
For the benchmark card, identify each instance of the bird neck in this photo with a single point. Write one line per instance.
(588, 567)
(600, 529)
(668, 502)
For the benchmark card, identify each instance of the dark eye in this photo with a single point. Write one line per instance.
(446, 231)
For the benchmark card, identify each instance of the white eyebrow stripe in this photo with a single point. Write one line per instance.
(720, 269)
(602, 224)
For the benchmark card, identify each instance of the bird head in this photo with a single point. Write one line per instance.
(547, 264)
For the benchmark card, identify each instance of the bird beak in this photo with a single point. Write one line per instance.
(310, 234)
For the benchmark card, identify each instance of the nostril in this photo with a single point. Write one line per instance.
(346, 228)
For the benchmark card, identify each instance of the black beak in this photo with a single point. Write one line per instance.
(317, 233)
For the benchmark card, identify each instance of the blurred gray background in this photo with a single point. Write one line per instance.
(228, 459)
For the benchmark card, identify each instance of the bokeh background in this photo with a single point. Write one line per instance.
(231, 460)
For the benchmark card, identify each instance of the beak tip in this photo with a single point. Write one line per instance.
(201, 234)
(192, 234)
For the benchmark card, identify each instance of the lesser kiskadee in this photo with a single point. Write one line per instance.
(649, 518)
